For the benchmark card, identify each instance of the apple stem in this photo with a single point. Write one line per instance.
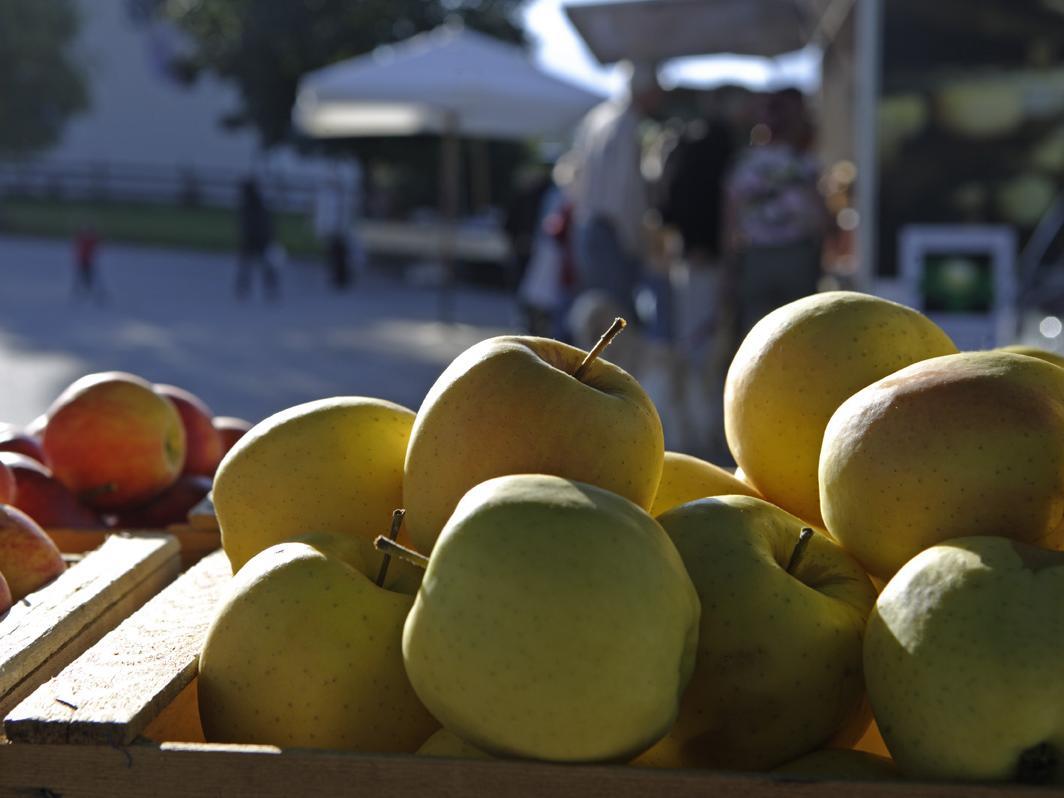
(402, 552)
(1038, 765)
(397, 521)
(618, 325)
(796, 554)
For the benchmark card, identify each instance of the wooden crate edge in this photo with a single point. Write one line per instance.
(233, 770)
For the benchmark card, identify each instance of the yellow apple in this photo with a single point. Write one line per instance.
(795, 367)
(685, 478)
(1055, 358)
(510, 405)
(778, 668)
(555, 621)
(334, 465)
(306, 651)
(964, 444)
(963, 660)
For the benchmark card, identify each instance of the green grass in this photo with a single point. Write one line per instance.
(145, 223)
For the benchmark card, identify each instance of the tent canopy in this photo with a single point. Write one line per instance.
(450, 80)
(657, 30)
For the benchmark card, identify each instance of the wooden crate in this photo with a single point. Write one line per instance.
(52, 626)
(198, 537)
(122, 720)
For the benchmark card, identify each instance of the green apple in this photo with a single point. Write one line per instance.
(778, 669)
(840, 764)
(555, 621)
(958, 445)
(795, 367)
(511, 405)
(334, 465)
(445, 743)
(306, 651)
(963, 660)
(685, 478)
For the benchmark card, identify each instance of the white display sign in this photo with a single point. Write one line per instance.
(964, 278)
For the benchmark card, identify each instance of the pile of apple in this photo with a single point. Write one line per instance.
(562, 589)
(112, 451)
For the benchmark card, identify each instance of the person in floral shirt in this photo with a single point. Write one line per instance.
(775, 216)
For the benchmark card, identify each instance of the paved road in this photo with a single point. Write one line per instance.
(171, 316)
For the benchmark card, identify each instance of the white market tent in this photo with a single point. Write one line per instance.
(451, 81)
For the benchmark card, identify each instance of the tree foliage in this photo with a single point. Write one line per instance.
(265, 47)
(40, 85)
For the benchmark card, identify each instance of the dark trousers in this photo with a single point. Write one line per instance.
(339, 267)
(85, 281)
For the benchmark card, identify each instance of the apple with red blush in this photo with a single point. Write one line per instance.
(169, 507)
(5, 596)
(231, 429)
(44, 498)
(203, 443)
(7, 485)
(29, 559)
(114, 441)
(13, 439)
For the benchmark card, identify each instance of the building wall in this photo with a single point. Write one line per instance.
(138, 113)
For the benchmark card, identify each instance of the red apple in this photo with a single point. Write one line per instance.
(7, 485)
(28, 557)
(231, 429)
(114, 441)
(203, 443)
(14, 440)
(5, 596)
(44, 498)
(169, 507)
(35, 429)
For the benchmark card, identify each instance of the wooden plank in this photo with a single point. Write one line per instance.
(173, 771)
(101, 625)
(79, 541)
(196, 541)
(202, 516)
(180, 720)
(82, 601)
(112, 691)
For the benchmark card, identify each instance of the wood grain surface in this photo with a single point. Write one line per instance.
(48, 628)
(112, 691)
(196, 771)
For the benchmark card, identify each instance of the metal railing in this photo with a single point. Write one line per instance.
(108, 181)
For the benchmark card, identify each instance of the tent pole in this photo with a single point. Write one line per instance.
(450, 179)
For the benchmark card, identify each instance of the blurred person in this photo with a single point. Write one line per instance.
(546, 288)
(775, 216)
(610, 195)
(691, 203)
(524, 216)
(256, 239)
(332, 222)
(86, 279)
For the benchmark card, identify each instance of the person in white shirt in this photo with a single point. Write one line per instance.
(609, 193)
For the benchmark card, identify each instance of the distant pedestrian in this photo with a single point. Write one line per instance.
(256, 239)
(86, 280)
(776, 217)
(610, 195)
(336, 206)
